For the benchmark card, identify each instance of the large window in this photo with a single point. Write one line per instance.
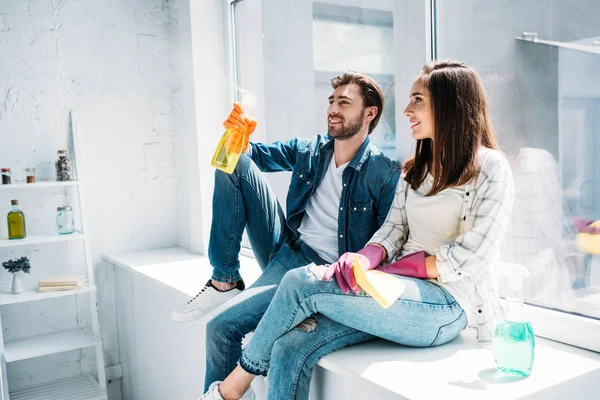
(539, 61)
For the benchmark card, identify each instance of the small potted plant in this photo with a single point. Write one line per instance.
(17, 267)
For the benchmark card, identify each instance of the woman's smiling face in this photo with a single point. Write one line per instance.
(420, 112)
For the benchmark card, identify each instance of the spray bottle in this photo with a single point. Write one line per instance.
(513, 343)
(231, 146)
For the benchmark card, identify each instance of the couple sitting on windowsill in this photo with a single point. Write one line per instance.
(447, 207)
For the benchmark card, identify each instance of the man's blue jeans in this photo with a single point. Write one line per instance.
(425, 315)
(244, 199)
(241, 200)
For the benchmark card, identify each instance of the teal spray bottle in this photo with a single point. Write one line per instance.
(514, 343)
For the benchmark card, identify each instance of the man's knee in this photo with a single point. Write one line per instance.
(220, 327)
(214, 325)
(241, 169)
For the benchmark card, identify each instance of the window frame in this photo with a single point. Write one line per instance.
(233, 44)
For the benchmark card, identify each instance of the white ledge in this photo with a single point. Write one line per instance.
(457, 370)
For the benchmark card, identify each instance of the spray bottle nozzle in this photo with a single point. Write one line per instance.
(511, 287)
(247, 100)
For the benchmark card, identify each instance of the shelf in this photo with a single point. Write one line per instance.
(38, 185)
(39, 239)
(34, 295)
(53, 343)
(565, 45)
(81, 387)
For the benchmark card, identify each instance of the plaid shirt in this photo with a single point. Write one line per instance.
(465, 265)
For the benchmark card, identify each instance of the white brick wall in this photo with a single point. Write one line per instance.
(116, 62)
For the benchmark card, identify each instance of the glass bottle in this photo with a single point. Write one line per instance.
(65, 222)
(64, 170)
(30, 173)
(6, 176)
(16, 222)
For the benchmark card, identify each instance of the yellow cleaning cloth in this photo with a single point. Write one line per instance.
(383, 287)
(588, 242)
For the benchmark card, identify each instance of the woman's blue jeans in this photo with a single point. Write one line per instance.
(425, 315)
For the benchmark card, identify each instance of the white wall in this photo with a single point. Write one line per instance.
(118, 64)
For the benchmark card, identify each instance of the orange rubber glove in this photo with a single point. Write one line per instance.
(237, 120)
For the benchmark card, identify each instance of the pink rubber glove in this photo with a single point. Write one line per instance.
(584, 226)
(412, 265)
(369, 257)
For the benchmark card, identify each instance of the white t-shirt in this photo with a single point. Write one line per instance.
(433, 220)
(319, 227)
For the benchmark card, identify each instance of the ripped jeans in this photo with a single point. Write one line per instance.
(240, 316)
(425, 315)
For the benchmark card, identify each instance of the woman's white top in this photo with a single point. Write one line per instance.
(470, 243)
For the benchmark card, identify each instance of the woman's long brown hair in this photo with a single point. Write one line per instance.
(461, 125)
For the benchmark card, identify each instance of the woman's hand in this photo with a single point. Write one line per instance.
(369, 258)
(342, 270)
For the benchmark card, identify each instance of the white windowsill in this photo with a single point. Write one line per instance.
(456, 370)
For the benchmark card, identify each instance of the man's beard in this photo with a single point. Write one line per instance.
(347, 132)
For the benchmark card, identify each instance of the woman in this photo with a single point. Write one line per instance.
(440, 237)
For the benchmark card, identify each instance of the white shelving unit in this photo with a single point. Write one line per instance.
(77, 388)
(38, 346)
(33, 295)
(37, 185)
(41, 239)
(81, 387)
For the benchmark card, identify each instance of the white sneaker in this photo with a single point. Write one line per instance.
(213, 393)
(205, 301)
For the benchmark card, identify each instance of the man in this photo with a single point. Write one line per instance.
(340, 193)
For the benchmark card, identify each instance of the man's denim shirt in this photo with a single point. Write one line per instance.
(369, 184)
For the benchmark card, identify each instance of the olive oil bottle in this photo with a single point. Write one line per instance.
(16, 222)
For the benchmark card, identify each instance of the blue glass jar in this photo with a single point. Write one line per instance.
(65, 221)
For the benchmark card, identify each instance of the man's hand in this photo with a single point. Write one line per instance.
(236, 120)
